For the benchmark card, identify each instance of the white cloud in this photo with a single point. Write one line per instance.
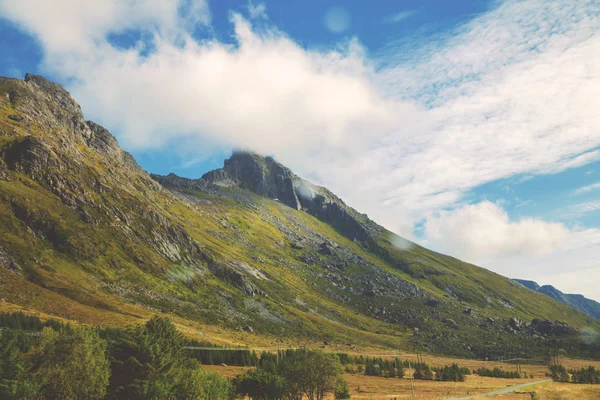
(257, 10)
(579, 209)
(266, 93)
(73, 26)
(479, 232)
(514, 91)
(398, 17)
(547, 252)
(586, 189)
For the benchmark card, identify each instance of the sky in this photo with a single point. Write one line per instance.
(470, 127)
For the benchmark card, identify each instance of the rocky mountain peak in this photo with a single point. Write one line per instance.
(269, 178)
(49, 107)
(261, 175)
(49, 100)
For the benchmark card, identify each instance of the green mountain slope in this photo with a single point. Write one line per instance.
(87, 235)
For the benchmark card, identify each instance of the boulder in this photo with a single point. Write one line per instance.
(325, 249)
(451, 323)
(432, 303)
(514, 323)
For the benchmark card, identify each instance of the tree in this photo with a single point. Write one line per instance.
(559, 373)
(261, 385)
(215, 386)
(324, 371)
(293, 375)
(72, 365)
(142, 359)
(342, 392)
(14, 380)
(450, 373)
(589, 375)
(423, 372)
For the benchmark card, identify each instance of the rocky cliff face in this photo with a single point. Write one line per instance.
(577, 301)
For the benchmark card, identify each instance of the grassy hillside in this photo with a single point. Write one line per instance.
(88, 236)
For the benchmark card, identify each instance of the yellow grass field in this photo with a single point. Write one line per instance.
(377, 388)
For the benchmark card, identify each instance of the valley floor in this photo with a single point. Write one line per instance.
(377, 388)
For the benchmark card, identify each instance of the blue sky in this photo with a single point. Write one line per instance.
(468, 126)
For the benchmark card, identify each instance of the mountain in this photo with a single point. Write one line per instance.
(247, 254)
(577, 301)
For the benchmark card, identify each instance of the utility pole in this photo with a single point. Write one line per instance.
(412, 385)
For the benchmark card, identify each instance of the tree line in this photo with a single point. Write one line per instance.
(497, 373)
(215, 356)
(52, 360)
(71, 362)
(586, 375)
(396, 368)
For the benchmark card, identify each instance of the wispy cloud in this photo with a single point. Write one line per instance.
(398, 17)
(586, 189)
(258, 10)
(580, 209)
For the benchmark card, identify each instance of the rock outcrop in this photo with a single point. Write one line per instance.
(266, 177)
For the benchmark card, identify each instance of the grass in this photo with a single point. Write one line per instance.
(378, 388)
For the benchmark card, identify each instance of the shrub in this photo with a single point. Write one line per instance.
(452, 373)
(559, 373)
(589, 375)
(342, 392)
(423, 373)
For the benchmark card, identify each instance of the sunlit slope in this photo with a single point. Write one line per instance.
(87, 235)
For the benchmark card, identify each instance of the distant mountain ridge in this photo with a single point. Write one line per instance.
(578, 301)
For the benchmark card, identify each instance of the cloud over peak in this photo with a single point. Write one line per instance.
(484, 230)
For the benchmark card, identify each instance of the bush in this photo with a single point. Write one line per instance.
(452, 373)
(386, 368)
(423, 372)
(559, 373)
(589, 375)
(342, 392)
